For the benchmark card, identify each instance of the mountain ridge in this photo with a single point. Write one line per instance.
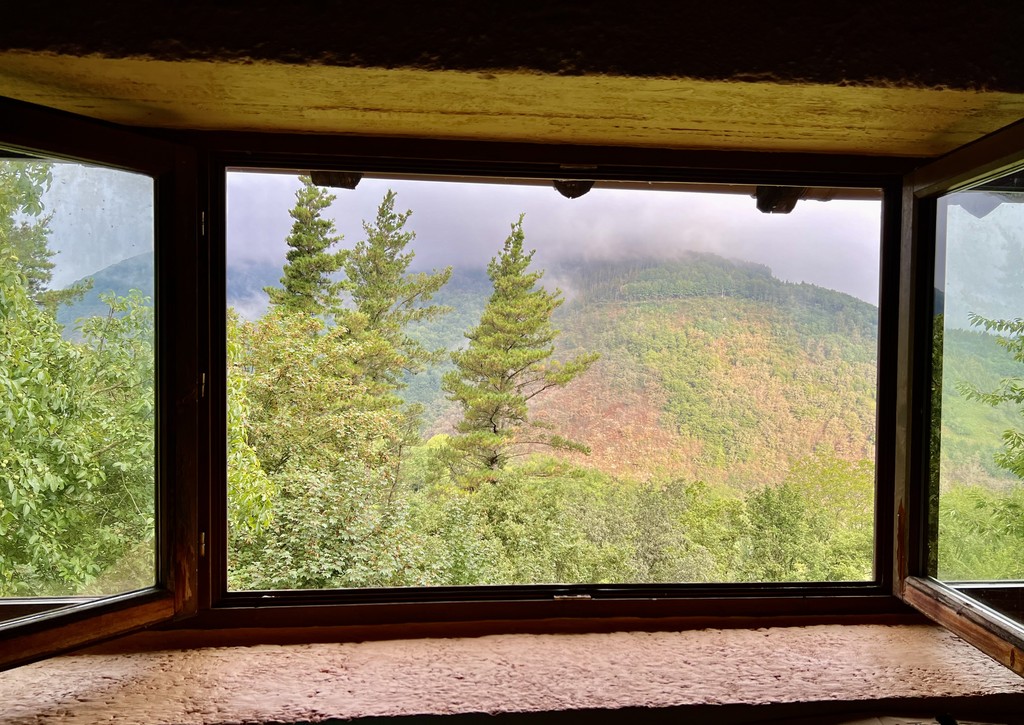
(711, 368)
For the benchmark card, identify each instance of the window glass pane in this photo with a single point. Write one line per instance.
(978, 450)
(76, 383)
(674, 387)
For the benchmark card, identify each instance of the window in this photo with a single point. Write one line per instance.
(963, 531)
(978, 399)
(98, 448)
(193, 384)
(77, 375)
(713, 421)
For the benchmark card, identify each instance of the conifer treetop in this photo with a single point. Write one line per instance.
(307, 285)
(507, 363)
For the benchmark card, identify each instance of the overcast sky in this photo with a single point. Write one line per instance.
(98, 217)
(833, 244)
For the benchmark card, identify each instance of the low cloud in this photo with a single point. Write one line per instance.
(833, 244)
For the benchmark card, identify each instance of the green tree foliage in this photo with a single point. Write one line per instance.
(389, 296)
(817, 525)
(23, 225)
(981, 533)
(309, 402)
(330, 529)
(45, 456)
(76, 419)
(307, 285)
(318, 433)
(1009, 391)
(314, 469)
(507, 364)
(979, 524)
(76, 447)
(543, 521)
(250, 491)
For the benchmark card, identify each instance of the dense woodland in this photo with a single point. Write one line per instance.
(687, 421)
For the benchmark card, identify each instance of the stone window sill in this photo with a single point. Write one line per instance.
(821, 673)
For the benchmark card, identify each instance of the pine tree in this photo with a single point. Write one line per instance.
(389, 296)
(306, 285)
(507, 364)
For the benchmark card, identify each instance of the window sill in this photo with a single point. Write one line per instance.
(724, 675)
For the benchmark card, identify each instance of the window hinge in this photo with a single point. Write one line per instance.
(572, 597)
(202, 386)
(202, 224)
(202, 543)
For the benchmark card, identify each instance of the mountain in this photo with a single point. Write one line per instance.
(972, 431)
(465, 295)
(714, 369)
(133, 273)
(245, 283)
(710, 368)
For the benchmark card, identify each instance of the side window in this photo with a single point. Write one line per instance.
(977, 451)
(77, 384)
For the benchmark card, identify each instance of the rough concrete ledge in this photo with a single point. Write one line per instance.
(710, 675)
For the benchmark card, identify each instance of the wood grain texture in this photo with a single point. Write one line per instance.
(509, 105)
(180, 371)
(969, 620)
(869, 42)
(93, 623)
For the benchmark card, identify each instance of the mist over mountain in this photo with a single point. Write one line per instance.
(710, 368)
(980, 265)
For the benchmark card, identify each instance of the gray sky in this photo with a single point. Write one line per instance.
(99, 217)
(834, 244)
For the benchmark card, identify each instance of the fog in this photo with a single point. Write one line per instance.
(834, 244)
(98, 217)
(101, 216)
(980, 264)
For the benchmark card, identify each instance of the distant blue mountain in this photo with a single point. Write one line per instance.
(245, 285)
(132, 273)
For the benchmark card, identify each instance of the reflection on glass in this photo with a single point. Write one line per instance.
(674, 387)
(978, 451)
(76, 382)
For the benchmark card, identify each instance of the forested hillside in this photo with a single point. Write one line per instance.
(691, 419)
(709, 369)
(972, 432)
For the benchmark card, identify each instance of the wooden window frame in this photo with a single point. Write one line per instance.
(993, 633)
(56, 625)
(394, 606)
